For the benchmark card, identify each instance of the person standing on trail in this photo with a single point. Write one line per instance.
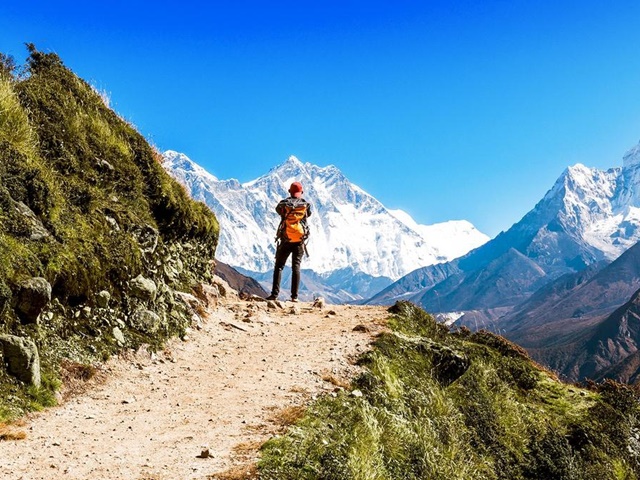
(291, 238)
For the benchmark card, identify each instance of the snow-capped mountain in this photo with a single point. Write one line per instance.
(350, 229)
(551, 282)
(587, 216)
(600, 210)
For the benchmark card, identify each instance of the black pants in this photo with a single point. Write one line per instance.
(296, 250)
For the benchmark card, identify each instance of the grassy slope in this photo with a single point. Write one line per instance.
(97, 188)
(438, 405)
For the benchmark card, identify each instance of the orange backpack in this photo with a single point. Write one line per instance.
(293, 227)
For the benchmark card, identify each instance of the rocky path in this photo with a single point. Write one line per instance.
(226, 388)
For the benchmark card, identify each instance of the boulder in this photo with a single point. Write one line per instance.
(102, 299)
(188, 299)
(37, 231)
(209, 294)
(113, 223)
(22, 359)
(143, 288)
(319, 303)
(118, 335)
(33, 295)
(146, 321)
(147, 238)
(5, 296)
(448, 365)
(225, 289)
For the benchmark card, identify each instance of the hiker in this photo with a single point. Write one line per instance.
(291, 238)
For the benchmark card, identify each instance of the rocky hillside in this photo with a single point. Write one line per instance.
(245, 286)
(100, 249)
(552, 278)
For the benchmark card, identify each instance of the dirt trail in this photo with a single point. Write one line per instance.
(221, 388)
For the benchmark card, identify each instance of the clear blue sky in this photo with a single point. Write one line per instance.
(448, 110)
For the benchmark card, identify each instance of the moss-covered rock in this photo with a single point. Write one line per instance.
(21, 358)
(33, 295)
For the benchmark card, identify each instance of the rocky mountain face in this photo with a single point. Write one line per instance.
(582, 325)
(356, 244)
(542, 282)
(587, 216)
(100, 249)
(592, 292)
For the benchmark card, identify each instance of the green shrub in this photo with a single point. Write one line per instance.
(501, 418)
(79, 189)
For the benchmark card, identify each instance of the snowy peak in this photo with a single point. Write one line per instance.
(179, 162)
(632, 157)
(599, 210)
(291, 167)
(350, 229)
(293, 160)
(587, 197)
(450, 239)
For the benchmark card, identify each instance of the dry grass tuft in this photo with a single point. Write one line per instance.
(287, 416)
(240, 472)
(299, 389)
(248, 448)
(9, 432)
(338, 382)
(77, 378)
(201, 310)
(77, 371)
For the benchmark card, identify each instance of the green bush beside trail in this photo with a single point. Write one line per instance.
(440, 405)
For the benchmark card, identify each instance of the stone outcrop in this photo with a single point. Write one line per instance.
(146, 321)
(102, 299)
(33, 296)
(21, 358)
(449, 365)
(147, 238)
(143, 288)
(37, 231)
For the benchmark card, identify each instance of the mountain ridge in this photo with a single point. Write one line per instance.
(350, 229)
(587, 216)
(580, 239)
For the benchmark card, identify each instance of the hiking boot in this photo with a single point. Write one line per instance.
(272, 297)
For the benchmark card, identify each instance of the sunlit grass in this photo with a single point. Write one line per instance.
(501, 418)
(79, 187)
(14, 121)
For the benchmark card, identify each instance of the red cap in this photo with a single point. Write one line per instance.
(296, 189)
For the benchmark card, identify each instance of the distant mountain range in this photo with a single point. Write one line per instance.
(357, 246)
(552, 280)
(562, 282)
